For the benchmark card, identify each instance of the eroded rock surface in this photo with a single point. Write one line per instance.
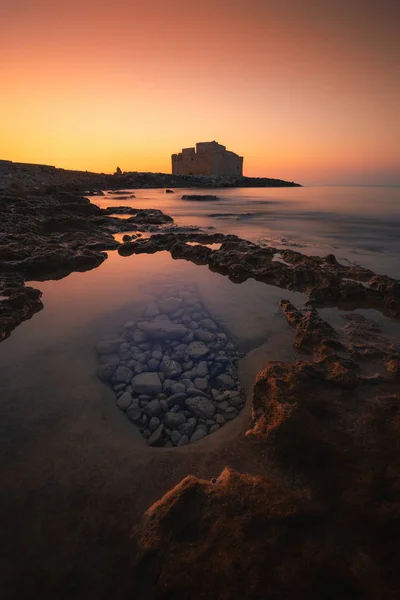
(325, 281)
(327, 525)
(48, 237)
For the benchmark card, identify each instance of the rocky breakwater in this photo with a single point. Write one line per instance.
(325, 522)
(49, 236)
(174, 370)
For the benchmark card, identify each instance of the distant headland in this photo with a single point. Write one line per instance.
(15, 176)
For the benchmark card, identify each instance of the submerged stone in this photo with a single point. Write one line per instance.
(147, 383)
(197, 350)
(200, 407)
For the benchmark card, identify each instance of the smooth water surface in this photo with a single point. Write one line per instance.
(76, 474)
(360, 224)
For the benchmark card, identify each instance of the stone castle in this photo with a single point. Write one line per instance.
(208, 158)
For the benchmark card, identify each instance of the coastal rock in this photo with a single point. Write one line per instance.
(154, 423)
(134, 412)
(123, 374)
(106, 372)
(201, 383)
(176, 399)
(164, 330)
(197, 350)
(155, 438)
(183, 440)
(198, 435)
(188, 427)
(169, 305)
(153, 408)
(124, 401)
(225, 381)
(170, 368)
(147, 383)
(175, 437)
(204, 336)
(173, 420)
(202, 369)
(200, 407)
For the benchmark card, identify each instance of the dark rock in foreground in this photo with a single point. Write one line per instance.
(326, 525)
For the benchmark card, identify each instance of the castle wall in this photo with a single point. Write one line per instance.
(209, 158)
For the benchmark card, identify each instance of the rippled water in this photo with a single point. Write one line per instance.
(73, 467)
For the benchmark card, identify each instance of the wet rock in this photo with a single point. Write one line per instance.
(156, 438)
(154, 423)
(237, 401)
(204, 336)
(198, 435)
(153, 409)
(123, 374)
(175, 437)
(169, 305)
(147, 383)
(183, 441)
(197, 350)
(164, 330)
(124, 401)
(192, 391)
(176, 399)
(201, 383)
(151, 311)
(208, 324)
(188, 427)
(216, 369)
(170, 368)
(138, 337)
(230, 413)
(202, 369)
(200, 407)
(134, 412)
(214, 428)
(225, 381)
(173, 420)
(153, 364)
(106, 372)
(178, 388)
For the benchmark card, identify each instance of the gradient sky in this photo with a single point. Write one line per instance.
(305, 90)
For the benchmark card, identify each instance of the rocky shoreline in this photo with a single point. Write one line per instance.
(23, 177)
(325, 524)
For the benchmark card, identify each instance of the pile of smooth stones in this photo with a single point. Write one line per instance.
(174, 370)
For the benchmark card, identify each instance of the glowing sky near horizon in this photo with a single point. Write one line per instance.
(306, 90)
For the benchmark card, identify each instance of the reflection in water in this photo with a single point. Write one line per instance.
(360, 224)
(76, 475)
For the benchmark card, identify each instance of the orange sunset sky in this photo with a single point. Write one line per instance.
(304, 90)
